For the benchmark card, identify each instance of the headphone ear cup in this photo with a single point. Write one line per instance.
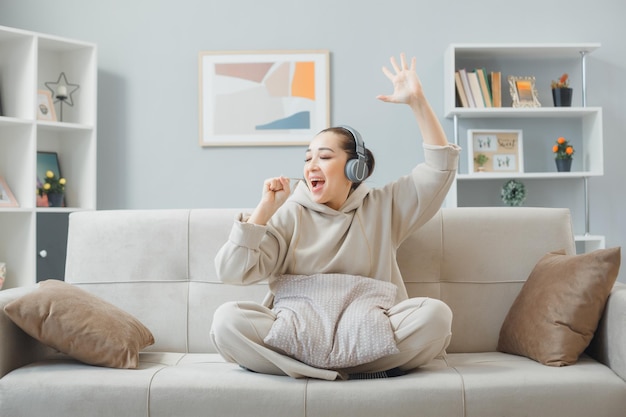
(356, 170)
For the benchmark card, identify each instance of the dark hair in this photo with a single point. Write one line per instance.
(348, 145)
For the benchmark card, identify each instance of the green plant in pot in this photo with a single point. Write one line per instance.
(561, 92)
(481, 159)
(563, 154)
(54, 188)
(513, 193)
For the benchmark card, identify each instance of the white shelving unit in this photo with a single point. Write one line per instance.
(27, 61)
(580, 124)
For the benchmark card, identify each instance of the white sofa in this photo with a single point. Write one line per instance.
(158, 266)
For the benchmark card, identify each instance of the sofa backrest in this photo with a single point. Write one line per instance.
(476, 260)
(158, 266)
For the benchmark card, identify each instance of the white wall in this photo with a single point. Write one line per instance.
(148, 83)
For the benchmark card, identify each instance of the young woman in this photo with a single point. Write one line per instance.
(335, 224)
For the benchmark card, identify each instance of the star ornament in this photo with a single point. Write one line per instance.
(64, 87)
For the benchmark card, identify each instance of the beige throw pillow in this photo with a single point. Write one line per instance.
(555, 315)
(80, 325)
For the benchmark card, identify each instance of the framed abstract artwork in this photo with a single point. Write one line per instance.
(263, 98)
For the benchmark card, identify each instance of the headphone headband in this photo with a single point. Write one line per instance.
(358, 141)
(356, 169)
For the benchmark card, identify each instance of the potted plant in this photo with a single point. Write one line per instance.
(513, 193)
(561, 92)
(481, 159)
(563, 154)
(53, 188)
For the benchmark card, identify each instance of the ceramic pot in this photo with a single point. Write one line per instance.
(563, 165)
(55, 199)
(562, 97)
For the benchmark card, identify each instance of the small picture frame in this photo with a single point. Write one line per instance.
(495, 151)
(7, 199)
(45, 106)
(523, 91)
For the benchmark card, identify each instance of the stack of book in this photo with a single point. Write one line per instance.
(478, 88)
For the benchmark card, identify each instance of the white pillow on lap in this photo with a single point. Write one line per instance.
(332, 321)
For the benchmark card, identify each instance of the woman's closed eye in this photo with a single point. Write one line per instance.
(308, 159)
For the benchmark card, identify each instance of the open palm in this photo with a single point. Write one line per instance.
(406, 84)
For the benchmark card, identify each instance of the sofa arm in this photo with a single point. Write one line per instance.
(609, 343)
(16, 347)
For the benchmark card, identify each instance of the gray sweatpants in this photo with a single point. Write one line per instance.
(422, 329)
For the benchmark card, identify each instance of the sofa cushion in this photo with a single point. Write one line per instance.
(80, 325)
(499, 384)
(556, 313)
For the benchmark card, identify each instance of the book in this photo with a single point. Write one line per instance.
(477, 94)
(496, 88)
(460, 90)
(466, 87)
(484, 86)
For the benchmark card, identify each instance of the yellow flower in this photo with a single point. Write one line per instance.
(52, 184)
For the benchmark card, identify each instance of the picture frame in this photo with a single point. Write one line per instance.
(7, 199)
(502, 148)
(263, 98)
(47, 161)
(45, 106)
(523, 91)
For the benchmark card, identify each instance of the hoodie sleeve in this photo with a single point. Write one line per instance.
(250, 254)
(418, 196)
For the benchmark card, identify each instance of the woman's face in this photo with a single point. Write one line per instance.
(324, 166)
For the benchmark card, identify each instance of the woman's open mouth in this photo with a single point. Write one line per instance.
(316, 183)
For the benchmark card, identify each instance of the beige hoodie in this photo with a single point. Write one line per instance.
(361, 238)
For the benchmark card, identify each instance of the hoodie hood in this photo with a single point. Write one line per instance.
(302, 196)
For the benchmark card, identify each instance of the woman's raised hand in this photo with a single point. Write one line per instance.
(407, 86)
(407, 89)
(275, 192)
